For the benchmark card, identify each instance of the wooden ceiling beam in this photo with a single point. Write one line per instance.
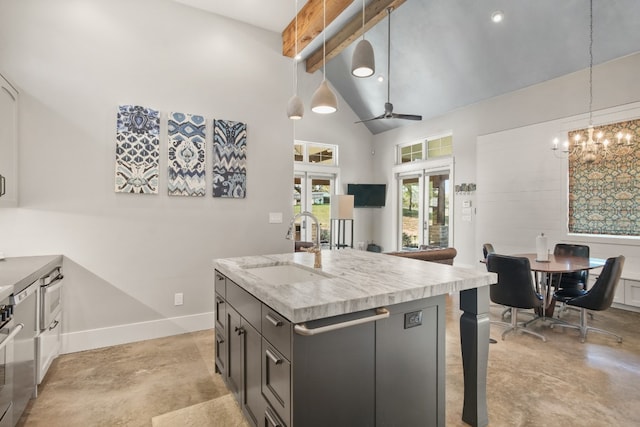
(310, 24)
(375, 12)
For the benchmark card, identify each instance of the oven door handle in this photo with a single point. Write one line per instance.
(12, 335)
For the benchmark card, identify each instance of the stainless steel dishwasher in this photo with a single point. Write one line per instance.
(25, 312)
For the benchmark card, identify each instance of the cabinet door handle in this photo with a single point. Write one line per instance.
(273, 321)
(301, 329)
(239, 330)
(275, 359)
(219, 277)
(55, 323)
(271, 419)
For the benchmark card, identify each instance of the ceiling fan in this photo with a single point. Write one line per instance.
(388, 106)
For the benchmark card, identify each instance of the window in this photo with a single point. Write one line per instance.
(429, 148)
(315, 153)
(604, 196)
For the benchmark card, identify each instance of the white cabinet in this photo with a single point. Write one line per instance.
(632, 292)
(8, 144)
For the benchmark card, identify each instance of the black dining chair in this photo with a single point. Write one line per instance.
(570, 285)
(598, 298)
(515, 289)
(487, 249)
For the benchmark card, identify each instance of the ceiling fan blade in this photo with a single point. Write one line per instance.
(406, 116)
(381, 116)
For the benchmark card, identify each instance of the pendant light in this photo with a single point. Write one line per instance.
(324, 101)
(295, 108)
(363, 62)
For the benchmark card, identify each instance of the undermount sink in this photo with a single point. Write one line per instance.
(285, 274)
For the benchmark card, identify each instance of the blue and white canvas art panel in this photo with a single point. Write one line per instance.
(230, 159)
(137, 150)
(187, 155)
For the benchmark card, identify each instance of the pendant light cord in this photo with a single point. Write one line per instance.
(389, 53)
(324, 40)
(591, 63)
(295, 56)
(363, 19)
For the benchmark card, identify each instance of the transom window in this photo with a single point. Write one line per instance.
(428, 148)
(315, 153)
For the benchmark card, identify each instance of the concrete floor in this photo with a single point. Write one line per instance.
(530, 383)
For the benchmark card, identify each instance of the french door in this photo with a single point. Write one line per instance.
(424, 209)
(312, 192)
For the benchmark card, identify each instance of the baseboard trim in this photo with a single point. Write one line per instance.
(90, 339)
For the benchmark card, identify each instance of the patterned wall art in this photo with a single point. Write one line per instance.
(137, 150)
(186, 155)
(230, 158)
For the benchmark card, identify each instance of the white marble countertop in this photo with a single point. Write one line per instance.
(358, 281)
(19, 272)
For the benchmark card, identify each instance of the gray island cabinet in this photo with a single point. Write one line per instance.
(360, 342)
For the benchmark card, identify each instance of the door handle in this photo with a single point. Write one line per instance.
(275, 359)
(271, 419)
(301, 329)
(55, 323)
(239, 330)
(273, 321)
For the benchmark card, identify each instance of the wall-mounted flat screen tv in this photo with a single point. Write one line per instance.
(367, 195)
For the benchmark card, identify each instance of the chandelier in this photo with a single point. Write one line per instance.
(589, 148)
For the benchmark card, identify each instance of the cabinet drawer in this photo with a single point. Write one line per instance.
(220, 313)
(245, 303)
(276, 381)
(220, 285)
(277, 330)
(221, 353)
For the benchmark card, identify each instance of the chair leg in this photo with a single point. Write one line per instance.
(515, 327)
(583, 327)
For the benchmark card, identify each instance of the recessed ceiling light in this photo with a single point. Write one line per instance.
(380, 78)
(497, 16)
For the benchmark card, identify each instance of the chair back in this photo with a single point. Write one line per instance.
(487, 249)
(601, 295)
(515, 284)
(576, 279)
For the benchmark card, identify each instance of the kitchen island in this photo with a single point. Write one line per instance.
(359, 342)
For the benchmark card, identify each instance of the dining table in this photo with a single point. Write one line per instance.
(556, 265)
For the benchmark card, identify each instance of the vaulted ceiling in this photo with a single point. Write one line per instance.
(446, 54)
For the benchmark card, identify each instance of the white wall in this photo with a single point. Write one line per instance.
(615, 83)
(74, 62)
(534, 198)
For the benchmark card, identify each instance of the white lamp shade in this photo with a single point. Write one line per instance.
(341, 207)
(295, 108)
(324, 101)
(363, 62)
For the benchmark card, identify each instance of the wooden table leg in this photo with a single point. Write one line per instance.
(474, 340)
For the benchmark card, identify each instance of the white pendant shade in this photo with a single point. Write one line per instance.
(295, 108)
(363, 63)
(324, 101)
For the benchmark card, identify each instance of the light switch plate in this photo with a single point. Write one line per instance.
(275, 217)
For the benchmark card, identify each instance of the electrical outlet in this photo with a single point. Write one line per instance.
(177, 299)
